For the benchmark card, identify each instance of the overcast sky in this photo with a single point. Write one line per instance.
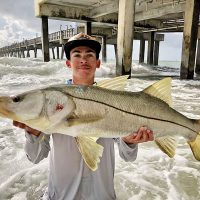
(18, 21)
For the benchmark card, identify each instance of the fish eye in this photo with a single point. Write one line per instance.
(16, 99)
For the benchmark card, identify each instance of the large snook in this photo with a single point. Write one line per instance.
(86, 112)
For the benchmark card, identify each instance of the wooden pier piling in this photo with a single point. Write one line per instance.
(88, 28)
(150, 48)
(197, 69)
(104, 51)
(45, 39)
(192, 11)
(142, 50)
(125, 36)
(156, 53)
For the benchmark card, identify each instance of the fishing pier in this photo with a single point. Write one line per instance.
(58, 39)
(119, 22)
(22, 49)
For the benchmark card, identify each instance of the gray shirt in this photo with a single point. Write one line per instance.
(69, 177)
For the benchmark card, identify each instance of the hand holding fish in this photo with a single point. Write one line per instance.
(142, 135)
(27, 128)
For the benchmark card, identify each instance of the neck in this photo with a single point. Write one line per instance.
(83, 81)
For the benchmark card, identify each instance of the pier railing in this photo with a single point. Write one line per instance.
(58, 37)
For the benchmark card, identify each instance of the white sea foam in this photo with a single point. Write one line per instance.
(153, 176)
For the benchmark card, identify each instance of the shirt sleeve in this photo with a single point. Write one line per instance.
(127, 152)
(37, 148)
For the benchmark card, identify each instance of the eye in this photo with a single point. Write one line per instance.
(16, 99)
(76, 55)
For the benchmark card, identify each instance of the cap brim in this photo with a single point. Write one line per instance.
(81, 42)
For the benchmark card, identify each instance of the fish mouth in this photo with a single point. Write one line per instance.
(4, 111)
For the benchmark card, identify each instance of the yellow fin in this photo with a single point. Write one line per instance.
(167, 145)
(90, 151)
(117, 83)
(195, 147)
(161, 90)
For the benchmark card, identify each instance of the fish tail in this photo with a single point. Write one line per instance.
(195, 146)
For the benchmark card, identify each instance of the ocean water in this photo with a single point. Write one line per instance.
(153, 176)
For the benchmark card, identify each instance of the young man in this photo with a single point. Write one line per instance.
(69, 177)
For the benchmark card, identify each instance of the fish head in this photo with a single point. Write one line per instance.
(22, 107)
(39, 109)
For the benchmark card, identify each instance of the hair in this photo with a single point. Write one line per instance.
(97, 55)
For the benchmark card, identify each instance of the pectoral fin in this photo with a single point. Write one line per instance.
(167, 145)
(90, 151)
(195, 147)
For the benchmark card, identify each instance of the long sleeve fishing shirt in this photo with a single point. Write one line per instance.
(69, 177)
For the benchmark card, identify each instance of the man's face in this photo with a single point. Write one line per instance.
(83, 62)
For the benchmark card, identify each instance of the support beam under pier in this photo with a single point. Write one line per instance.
(197, 69)
(104, 52)
(45, 39)
(88, 28)
(192, 10)
(142, 51)
(126, 17)
(35, 52)
(156, 53)
(57, 52)
(150, 48)
(53, 53)
(28, 53)
(23, 55)
(62, 52)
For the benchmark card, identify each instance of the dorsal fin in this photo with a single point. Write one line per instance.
(117, 83)
(161, 90)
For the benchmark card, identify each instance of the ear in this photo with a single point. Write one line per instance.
(68, 63)
(98, 63)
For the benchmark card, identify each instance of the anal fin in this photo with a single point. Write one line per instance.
(167, 145)
(90, 151)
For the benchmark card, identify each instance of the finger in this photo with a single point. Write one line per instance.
(150, 135)
(140, 133)
(145, 137)
(133, 135)
(138, 136)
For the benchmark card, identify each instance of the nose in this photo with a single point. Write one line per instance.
(84, 59)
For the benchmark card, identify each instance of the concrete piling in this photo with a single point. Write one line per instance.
(104, 51)
(45, 39)
(191, 18)
(197, 69)
(142, 50)
(156, 53)
(125, 36)
(150, 48)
